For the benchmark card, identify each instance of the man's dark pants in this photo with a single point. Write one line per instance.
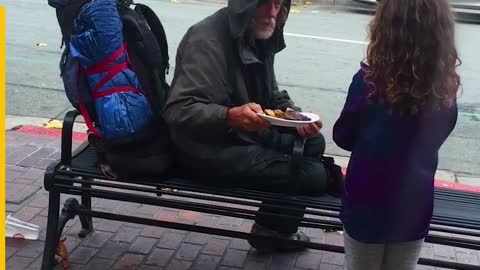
(310, 178)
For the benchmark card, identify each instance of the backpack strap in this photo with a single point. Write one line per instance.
(145, 35)
(156, 27)
(112, 70)
(83, 108)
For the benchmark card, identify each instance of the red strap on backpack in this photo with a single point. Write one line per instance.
(112, 71)
(83, 109)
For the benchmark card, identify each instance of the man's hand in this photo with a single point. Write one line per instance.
(310, 130)
(245, 117)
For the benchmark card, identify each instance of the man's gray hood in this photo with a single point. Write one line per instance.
(241, 12)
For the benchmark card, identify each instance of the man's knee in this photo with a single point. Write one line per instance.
(312, 178)
(315, 146)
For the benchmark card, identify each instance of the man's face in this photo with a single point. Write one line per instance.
(263, 23)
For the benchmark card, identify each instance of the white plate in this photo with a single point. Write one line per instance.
(290, 123)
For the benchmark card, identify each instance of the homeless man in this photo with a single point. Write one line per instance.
(224, 76)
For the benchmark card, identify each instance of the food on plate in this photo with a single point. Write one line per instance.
(269, 112)
(289, 114)
(293, 115)
(278, 113)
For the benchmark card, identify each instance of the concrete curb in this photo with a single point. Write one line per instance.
(13, 122)
(50, 132)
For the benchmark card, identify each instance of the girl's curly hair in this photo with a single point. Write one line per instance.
(412, 55)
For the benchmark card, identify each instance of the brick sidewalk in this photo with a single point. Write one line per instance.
(117, 245)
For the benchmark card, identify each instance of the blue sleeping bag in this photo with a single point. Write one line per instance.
(122, 109)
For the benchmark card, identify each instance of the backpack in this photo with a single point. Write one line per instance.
(147, 56)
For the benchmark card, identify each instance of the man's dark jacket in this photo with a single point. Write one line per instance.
(216, 67)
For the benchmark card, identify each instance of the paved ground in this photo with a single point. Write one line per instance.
(116, 245)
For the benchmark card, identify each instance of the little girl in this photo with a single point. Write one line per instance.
(400, 108)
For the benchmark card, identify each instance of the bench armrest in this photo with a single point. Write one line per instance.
(297, 153)
(67, 132)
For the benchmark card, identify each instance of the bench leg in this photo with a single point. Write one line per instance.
(87, 222)
(51, 240)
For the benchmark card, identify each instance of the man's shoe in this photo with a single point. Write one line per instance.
(336, 180)
(267, 245)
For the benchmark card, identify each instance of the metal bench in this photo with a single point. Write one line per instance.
(456, 213)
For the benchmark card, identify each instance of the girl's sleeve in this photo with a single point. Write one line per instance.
(453, 117)
(346, 129)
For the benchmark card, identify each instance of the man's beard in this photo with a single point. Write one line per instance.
(267, 27)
